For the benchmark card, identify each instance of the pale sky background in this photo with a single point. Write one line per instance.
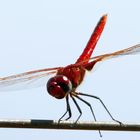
(44, 34)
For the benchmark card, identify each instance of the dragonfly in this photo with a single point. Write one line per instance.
(65, 80)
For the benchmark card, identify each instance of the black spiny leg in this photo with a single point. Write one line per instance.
(88, 104)
(78, 107)
(68, 110)
(95, 97)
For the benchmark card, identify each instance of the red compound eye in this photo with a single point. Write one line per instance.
(58, 86)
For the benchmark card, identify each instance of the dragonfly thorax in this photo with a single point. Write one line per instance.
(58, 86)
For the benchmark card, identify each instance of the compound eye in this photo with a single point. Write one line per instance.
(59, 86)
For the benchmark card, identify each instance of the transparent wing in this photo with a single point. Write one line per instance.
(27, 80)
(39, 77)
(129, 51)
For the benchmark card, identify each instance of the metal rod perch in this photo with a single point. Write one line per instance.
(69, 125)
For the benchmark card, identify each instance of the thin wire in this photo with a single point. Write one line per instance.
(68, 125)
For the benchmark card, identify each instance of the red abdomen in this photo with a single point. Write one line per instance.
(76, 73)
(93, 40)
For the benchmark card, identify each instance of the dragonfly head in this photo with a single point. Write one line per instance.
(58, 86)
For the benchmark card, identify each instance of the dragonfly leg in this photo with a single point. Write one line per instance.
(68, 110)
(78, 107)
(95, 97)
(88, 104)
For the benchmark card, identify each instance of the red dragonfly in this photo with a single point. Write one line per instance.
(66, 79)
